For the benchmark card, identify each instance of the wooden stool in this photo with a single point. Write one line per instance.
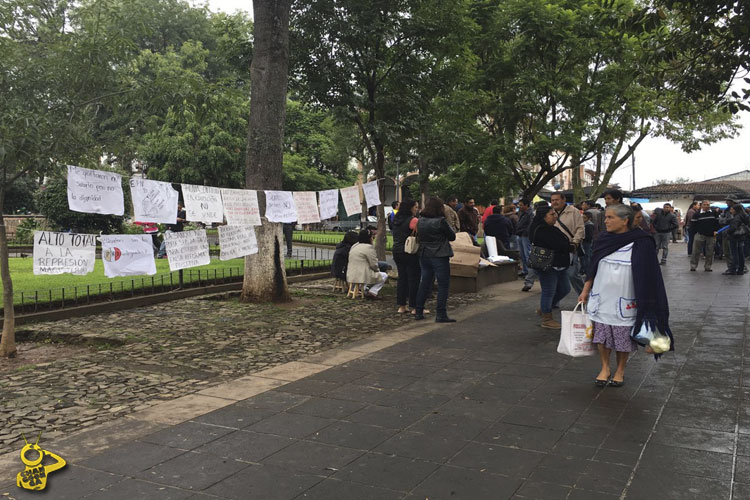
(339, 285)
(356, 289)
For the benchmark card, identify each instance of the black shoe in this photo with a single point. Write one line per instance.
(663, 263)
(444, 319)
(526, 288)
(728, 273)
(693, 270)
(708, 270)
(614, 383)
(418, 316)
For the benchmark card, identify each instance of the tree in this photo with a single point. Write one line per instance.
(265, 274)
(676, 180)
(374, 63)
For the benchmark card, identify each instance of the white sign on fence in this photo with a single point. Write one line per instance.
(127, 254)
(352, 203)
(329, 203)
(58, 253)
(95, 191)
(187, 249)
(372, 195)
(154, 201)
(203, 203)
(237, 241)
(241, 207)
(280, 206)
(307, 207)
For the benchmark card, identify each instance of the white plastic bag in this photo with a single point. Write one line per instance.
(577, 333)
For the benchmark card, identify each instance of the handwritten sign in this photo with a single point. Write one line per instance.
(187, 249)
(241, 207)
(203, 203)
(372, 195)
(329, 203)
(95, 191)
(307, 207)
(58, 253)
(280, 206)
(154, 201)
(237, 241)
(127, 255)
(352, 203)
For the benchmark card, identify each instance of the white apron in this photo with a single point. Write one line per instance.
(612, 298)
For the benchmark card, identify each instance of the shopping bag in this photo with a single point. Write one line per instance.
(657, 341)
(577, 333)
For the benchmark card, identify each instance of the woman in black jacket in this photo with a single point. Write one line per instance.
(737, 232)
(554, 281)
(340, 261)
(404, 222)
(435, 253)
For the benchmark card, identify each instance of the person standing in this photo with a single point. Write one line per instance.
(703, 228)
(435, 252)
(450, 213)
(554, 280)
(391, 216)
(588, 242)
(736, 234)
(177, 227)
(510, 212)
(489, 210)
(612, 197)
(525, 216)
(288, 228)
(597, 217)
(570, 222)
(689, 229)
(469, 219)
(404, 224)
(664, 222)
(624, 290)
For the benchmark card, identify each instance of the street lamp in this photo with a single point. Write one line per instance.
(398, 180)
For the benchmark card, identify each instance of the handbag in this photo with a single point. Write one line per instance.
(540, 258)
(576, 333)
(411, 246)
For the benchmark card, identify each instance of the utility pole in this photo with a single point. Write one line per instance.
(398, 180)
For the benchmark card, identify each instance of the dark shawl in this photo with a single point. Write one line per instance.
(650, 293)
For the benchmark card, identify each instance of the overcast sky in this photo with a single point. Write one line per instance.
(654, 158)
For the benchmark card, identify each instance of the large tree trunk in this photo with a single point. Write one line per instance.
(382, 229)
(424, 182)
(8, 342)
(265, 274)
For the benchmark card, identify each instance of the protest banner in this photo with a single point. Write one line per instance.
(127, 255)
(372, 195)
(95, 191)
(241, 207)
(280, 206)
(329, 203)
(203, 203)
(58, 253)
(307, 207)
(187, 249)
(352, 202)
(236, 242)
(154, 201)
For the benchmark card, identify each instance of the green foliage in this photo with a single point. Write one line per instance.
(19, 197)
(25, 231)
(53, 204)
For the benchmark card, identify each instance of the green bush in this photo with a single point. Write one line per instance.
(25, 231)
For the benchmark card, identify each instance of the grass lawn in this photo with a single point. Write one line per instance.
(330, 238)
(50, 287)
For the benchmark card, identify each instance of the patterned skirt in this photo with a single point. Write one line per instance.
(614, 337)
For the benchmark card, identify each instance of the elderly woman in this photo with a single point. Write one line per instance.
(363, 266)
(554, 281)
(624, 291)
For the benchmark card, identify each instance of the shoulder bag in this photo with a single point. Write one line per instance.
(411, 246)
(540, 258)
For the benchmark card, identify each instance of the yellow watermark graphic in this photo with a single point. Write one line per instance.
(34, 475)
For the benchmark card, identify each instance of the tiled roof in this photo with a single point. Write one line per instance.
(740, 188)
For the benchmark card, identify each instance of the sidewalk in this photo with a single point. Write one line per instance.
(481, 409)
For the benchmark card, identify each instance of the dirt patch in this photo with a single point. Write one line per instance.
(31, 353)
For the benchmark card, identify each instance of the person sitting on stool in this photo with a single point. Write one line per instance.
(363, 266)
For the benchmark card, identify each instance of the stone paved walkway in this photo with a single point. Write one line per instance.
(483, 409)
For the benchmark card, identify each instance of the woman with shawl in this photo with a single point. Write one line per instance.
(624, 290)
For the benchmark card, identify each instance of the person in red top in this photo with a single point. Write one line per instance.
(488, 210)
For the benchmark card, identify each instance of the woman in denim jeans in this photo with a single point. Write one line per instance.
(435, 253)
(554, 281)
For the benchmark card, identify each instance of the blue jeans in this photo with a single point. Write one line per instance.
(737, 247)
(555, 286)
(434, 267)
(525, 249)
(585, 258)
(513, 242)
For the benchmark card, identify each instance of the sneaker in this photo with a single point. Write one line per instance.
(526, 287)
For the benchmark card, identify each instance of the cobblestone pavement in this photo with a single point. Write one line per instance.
(483, 409)
(177, 348)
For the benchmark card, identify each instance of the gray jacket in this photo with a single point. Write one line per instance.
(664, 223)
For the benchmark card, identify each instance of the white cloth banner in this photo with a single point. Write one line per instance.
(280, 206)
(58, 253)
(307, 207)
(329, 203)
(187, 249)
(352, 203)
(237, 241)
(372, 195)
(127, 254)
(241, 207)
(95, 191)
(154, 201)
(203, 203)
